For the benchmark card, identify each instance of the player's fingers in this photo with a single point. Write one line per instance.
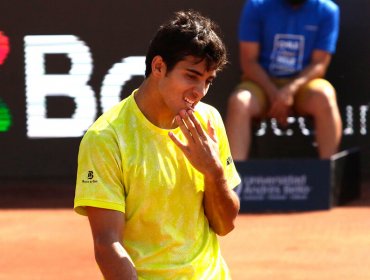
(184, 127)
(199, 129)
(211, 131)
(177, 141)
(193, 125)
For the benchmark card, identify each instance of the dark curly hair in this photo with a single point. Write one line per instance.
(187, 33)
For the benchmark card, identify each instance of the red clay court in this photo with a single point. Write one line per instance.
(41, 238)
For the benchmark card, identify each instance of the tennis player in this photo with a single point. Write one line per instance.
(155, 174)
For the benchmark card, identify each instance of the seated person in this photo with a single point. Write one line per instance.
(285, 50)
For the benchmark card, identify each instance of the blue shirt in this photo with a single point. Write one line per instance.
(288, 36)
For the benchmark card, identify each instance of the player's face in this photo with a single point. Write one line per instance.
(186, 84)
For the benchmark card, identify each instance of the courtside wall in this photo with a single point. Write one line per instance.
(63, 63)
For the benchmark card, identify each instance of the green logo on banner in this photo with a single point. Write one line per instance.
(5, 117)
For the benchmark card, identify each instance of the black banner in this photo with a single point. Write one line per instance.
(63, 63)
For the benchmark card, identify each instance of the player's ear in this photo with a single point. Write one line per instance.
(158, 66)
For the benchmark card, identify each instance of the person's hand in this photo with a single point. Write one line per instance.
(286, 95)
(201, 148)
(282, 104)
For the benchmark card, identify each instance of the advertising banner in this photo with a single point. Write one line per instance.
(64, 63)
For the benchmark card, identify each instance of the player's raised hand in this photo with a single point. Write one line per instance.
(201, 148)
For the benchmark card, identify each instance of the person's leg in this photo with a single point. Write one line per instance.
(318, 99)
(244, 104)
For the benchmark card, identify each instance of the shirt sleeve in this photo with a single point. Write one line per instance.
(231, 173)
(329, 29)
(249, 23)
(99, 179)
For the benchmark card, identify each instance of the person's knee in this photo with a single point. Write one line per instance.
(240, 101)
(326, 98)
(322, 97)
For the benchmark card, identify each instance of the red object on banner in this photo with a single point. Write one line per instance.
(4, 47)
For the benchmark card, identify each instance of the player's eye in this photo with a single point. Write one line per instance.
(191, 77)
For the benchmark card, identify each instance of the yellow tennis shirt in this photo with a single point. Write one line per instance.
(127, 164)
